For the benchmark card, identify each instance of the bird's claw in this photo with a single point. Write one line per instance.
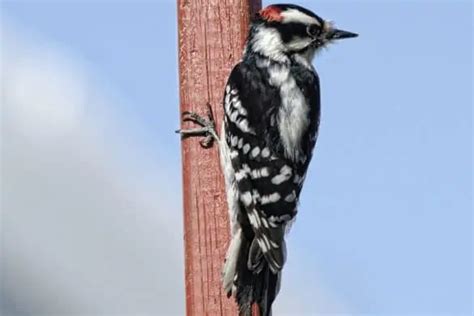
(207, 129)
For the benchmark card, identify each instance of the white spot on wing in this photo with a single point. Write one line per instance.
(246, 198)
(238, 106)
(241, 174)
(233, 116)
(255, 151)
(243, 125)
(291, 197)
(263, 246)
(253, 220)
(285, 174)
(246, 148)
(260, 173)
(270, 198)
(240, 143)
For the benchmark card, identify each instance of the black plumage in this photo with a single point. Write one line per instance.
(257, 278)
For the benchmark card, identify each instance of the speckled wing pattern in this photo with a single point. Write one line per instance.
(268, 183)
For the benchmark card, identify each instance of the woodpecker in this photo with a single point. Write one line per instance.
(272, 111)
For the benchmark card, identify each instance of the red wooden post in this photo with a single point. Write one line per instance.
(211, 38)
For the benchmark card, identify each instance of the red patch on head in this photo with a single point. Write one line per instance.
(271, 13)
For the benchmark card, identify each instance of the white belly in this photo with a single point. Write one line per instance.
(293, 116)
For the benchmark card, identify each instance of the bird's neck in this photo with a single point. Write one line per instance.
(304, 59)
(267, 43)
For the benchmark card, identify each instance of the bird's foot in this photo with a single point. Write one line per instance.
(207, 129)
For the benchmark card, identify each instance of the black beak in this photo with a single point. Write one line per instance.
(336, 34)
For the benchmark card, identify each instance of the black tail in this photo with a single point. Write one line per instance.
(254, 283)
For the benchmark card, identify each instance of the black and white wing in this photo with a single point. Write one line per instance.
(268, 183)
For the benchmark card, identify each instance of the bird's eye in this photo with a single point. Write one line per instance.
(313, 30)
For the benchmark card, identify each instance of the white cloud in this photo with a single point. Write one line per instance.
(44, 92)
(84, 232)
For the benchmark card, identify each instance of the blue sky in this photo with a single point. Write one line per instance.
(385, 222)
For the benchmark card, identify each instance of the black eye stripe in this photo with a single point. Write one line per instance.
(288, 30)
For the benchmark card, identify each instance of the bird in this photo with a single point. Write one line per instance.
(270, 126)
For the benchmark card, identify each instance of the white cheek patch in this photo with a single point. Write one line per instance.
(298, 43)
(268, 42)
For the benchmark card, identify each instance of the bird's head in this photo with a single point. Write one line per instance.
(282, 30)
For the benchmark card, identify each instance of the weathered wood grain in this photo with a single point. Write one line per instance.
(211, 38)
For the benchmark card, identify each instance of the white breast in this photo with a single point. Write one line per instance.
(293, 116)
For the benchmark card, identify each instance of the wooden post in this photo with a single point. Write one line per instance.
(211, 38)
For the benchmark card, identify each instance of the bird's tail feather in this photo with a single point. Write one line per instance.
(249, 280)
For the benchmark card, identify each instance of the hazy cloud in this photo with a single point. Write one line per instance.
(85, 229)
